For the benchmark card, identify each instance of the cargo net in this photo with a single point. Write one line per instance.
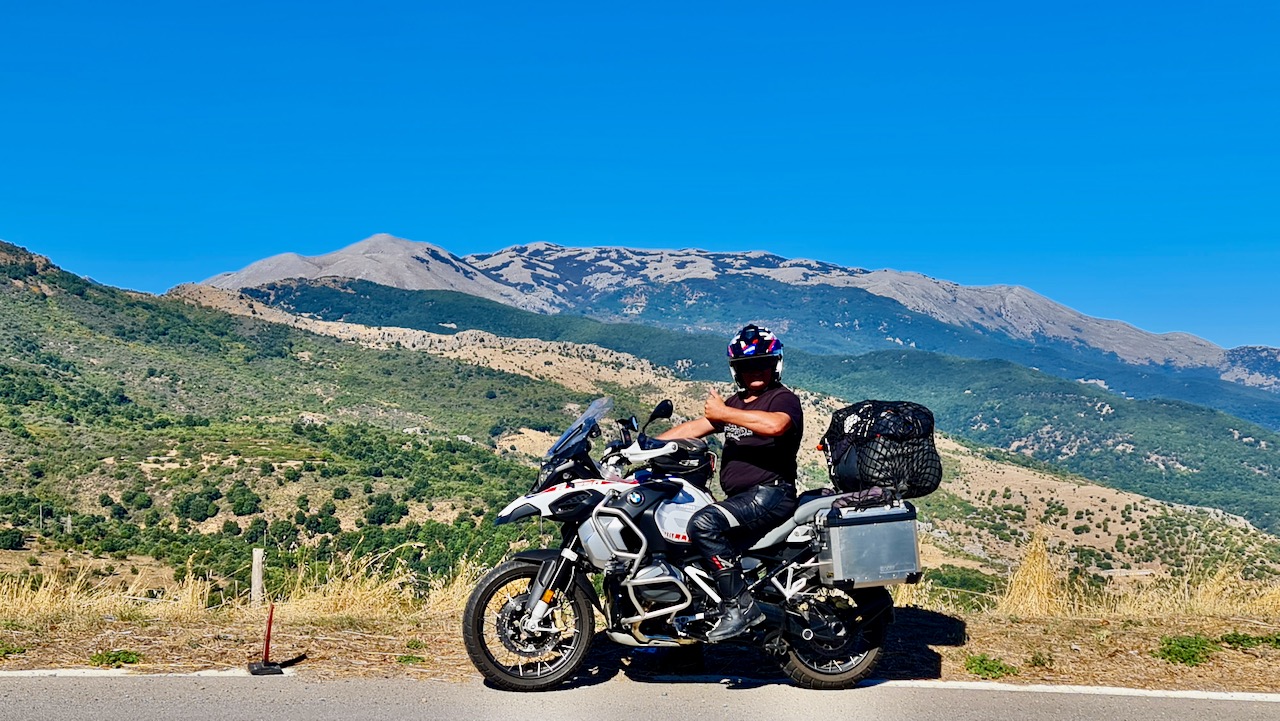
(883, 449)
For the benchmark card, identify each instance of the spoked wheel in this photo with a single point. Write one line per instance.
(844, 646)
(507, 654)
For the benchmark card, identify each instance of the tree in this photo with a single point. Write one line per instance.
(243, 500)
(11, 539)
(383, 510)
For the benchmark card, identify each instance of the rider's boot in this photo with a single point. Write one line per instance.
(738, 610)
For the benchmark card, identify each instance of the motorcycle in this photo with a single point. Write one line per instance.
(818, 577)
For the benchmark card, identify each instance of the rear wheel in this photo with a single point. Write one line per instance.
(508, 655)
(844, 645)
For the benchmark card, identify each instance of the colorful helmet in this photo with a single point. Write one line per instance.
(754, 342)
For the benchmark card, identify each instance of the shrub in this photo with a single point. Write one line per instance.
(1246, 641)
(195, 506)
(243, 500)
(1187, 650)
(7, 649)
(383, 510)
(11, 539)
(114, 659)
(988, 667)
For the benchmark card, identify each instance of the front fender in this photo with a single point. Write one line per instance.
(550, 555)
(522, 511)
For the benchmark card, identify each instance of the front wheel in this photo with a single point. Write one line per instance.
(845, 641)
(508, 655)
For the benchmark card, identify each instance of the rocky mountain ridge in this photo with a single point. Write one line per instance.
(547, 278)
(557, 274)
(386, 260)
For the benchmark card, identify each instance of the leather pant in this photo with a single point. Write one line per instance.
(721, 531)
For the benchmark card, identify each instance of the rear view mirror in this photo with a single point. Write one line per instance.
(664, 410)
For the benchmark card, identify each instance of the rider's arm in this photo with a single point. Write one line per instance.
(696, 428)
(762, 423)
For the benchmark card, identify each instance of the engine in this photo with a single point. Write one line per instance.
(659, 585)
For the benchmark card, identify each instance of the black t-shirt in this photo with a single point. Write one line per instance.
(749, 459)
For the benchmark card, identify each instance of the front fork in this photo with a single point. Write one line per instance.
(554, 576)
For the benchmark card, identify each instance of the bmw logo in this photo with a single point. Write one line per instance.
(635, 498)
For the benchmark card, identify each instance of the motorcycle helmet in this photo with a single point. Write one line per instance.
(752, 344)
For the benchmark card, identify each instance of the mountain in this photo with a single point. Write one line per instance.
(382, 259)
(1253, 365)
(825, 308)
(569, 278)
(624, 280)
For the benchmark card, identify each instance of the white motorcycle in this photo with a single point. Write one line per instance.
(820, 577)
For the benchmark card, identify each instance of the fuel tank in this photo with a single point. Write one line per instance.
(672, 515)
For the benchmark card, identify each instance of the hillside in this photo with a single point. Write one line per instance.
(1164, 449)
(165, 429)
(981, 519)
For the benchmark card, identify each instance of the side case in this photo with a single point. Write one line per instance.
(869, 547)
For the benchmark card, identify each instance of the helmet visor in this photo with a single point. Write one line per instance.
(755, 365)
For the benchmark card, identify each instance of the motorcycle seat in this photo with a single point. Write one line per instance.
(808, 505)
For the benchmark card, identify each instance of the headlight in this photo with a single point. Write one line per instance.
(544, 477)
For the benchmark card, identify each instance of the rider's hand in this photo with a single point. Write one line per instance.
(715, 408)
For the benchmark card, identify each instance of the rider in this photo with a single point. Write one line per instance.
(762, 424)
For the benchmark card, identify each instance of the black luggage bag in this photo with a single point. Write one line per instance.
(883, 444)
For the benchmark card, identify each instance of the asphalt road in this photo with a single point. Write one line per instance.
(295, 698)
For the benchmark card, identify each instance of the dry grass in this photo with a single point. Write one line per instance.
(358, 616)
(1059, 632)
(355, 615)
(1035, 589)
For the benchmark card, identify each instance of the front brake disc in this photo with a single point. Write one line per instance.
(515, 638)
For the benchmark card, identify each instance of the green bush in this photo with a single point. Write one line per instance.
(114, 659)
(1245, 641)
(1187, 650)
(195, 506)
(11, 539)
(7, 649)
(987, 667)
(243, 500)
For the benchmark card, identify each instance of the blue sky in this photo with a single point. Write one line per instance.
(1121, 158)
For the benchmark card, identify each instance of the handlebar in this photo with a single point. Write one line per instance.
(646, 449)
